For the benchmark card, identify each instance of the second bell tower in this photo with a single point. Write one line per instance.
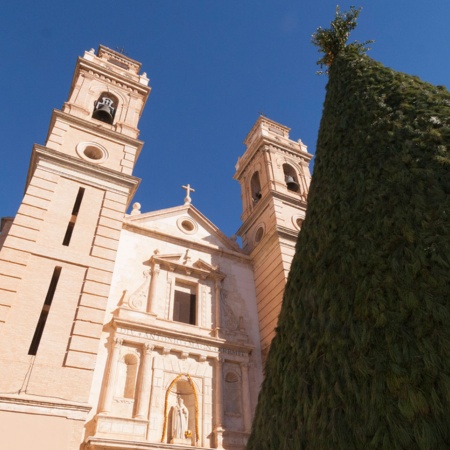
(274, 178)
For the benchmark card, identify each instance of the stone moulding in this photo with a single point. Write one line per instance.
(27, 405)
(120, 425)
(192, 342)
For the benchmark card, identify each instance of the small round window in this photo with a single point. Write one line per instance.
(259, 233)
(297, 222)
(187, 225)
(92, 152)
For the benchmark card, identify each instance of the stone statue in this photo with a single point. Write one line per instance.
(180, 416)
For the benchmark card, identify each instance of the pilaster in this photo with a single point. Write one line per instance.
(143, 397)
(108, 390)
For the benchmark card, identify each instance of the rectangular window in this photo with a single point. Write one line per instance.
(44, 313)
(73, 219)
(185, 303)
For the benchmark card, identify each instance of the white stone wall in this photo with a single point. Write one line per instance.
(184, 357)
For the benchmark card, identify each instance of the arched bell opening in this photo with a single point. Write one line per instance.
(105, 108)
(290, 178)
(255, 188)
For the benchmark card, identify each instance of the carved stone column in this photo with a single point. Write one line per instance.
(217, 292)
(110, 378)
(268, 161)
(152, 291)
(143, 398)
(246, 398)
(205, 394)
(218, 430)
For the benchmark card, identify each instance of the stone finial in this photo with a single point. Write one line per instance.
(136, 209)
(187, 257)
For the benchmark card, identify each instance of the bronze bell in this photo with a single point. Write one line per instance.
(291, 184)
(104, 110)
(257, 196)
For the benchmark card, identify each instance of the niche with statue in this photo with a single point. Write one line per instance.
(181, 412)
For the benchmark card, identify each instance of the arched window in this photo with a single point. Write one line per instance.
(255, 187)
(290, 178)
(105, 107)
(232, 391)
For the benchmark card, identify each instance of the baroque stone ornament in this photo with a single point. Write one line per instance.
(230, 321)
(138, 298)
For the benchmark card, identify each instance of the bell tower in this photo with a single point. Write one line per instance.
(57, 258)
(274, 178)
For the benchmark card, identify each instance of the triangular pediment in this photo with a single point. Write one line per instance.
(175, 257)
(183, 264)
(183, 223)
(200, 264)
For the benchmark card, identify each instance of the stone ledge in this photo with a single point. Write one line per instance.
(107, 425)
(38, 405)
(95, 443)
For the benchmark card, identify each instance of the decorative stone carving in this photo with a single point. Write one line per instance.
(138, 298)
(229, 320)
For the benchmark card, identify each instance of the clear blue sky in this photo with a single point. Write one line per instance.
(214, 66)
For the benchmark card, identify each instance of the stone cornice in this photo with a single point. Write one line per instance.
(186, 242)
(194, 343)
(278, 128)
(68, 163)
(126, 80)
(291, 147)
(105, 51)
(48, 406)
(264, 203)
(175, 266)
(279, 236)
(100, 443)
(188, 209)
(95, 129)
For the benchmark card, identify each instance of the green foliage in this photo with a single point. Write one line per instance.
(332, 41)
(361, 358)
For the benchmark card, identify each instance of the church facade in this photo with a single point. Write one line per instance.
(146, 330)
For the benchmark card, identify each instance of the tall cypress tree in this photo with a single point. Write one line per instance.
(361, 357)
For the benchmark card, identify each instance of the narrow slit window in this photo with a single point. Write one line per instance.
(44, 313)
(68, 234)
(73, 219)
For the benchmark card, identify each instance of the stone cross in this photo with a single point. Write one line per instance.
(188, 189)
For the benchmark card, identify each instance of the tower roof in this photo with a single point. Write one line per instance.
(264, 125)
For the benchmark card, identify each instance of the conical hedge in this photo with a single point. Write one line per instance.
(361, 358)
